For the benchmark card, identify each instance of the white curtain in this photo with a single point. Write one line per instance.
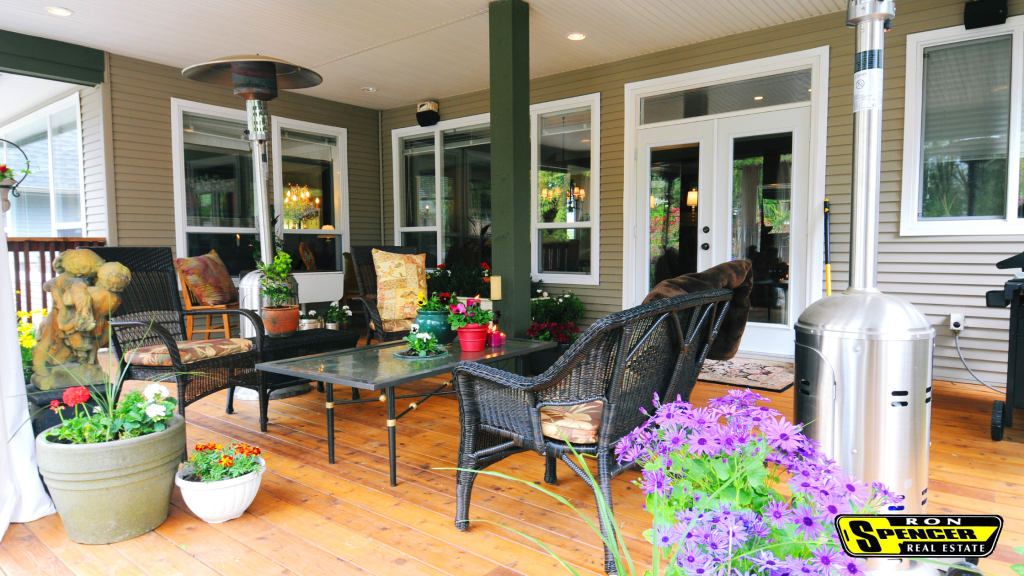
(22, 498)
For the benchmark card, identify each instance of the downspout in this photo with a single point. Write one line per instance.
(380, 175)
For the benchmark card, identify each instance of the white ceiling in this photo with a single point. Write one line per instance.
(408, 49)
(19, 94)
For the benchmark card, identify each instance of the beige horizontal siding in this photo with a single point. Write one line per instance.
(141, 95)
(939, 275)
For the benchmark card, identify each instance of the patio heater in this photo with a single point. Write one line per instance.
(255, 79)
(864, 358)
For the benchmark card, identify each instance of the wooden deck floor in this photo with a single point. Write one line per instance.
(312, 518)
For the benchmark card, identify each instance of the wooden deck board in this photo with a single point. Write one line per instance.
(312, 517)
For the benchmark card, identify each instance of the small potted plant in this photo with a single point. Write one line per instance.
(554, 320)
(421, 345)
(8, 181)
(470, 321)
(280, 318)
(308, 320)
(432, 316)
(218, 484)
(336, 316)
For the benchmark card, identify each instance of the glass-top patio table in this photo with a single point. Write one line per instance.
(376, 368)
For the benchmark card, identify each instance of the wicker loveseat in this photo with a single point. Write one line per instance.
(609, 374)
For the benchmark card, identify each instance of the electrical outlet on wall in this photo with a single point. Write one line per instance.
(957, 322)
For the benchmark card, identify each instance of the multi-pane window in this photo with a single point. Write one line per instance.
(449, 218)
(961, 162)
(50, 198)
(214, 188)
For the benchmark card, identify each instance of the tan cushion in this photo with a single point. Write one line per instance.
(192, 351)
(577, 424)
(401, 278)
(208, 279)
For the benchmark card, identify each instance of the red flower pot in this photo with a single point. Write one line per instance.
(472, 337)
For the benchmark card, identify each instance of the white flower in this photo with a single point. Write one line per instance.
(559, 300)
(415, 328)
(425, 336)
(312, 313)
(97, 410)
(344, 307)
(156, 410)
(154, 391)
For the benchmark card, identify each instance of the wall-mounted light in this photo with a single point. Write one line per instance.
(654, 201)
(691, 200)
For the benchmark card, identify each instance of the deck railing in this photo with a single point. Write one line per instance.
(31, 261)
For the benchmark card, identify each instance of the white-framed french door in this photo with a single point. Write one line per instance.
(729, 188)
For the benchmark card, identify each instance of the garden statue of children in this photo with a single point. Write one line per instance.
(76, 327)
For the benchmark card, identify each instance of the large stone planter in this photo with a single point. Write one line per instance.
(112, 491)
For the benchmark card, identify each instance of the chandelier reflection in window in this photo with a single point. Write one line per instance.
(302, 208)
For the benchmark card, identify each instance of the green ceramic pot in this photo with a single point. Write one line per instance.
(112, 491)
(436, 323)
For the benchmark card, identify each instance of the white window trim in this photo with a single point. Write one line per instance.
(817, 59)
(181, 229)
(594, 193)
(340, 175)
(398, 179)
(71, 101)
(909, 196)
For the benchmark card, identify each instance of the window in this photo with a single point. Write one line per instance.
(961, 170)
(450, 219)
(50, 202)
(309, 186)
(213, 182)
(565, 191)
(785, 88)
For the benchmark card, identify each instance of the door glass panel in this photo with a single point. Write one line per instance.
(761, 188)
(675, 173)
(466, 222)
(419, 181)
(761, 92)
(311, 201)
(218, 173)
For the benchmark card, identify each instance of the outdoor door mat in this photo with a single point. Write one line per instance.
(767, 375)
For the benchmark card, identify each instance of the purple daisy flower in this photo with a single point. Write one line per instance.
(777, 513)
(806, 522)
(781, 434)
(703, 443)
(852, 489)
(800, 567)
(733, 529)
(700, 418)
(766, 561)
(690, 554)
(831, 506)
(675, 438)
(850, 567)
(826, 559)
(655, 482)
(666, 536)
(717, 544)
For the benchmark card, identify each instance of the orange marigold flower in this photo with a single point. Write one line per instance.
(227, 461)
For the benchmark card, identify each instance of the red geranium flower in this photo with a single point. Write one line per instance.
(75, 396)
(440, 266)
(55, 405)
(485, 266)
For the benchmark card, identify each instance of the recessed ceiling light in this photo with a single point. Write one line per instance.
(58, 11)
(576, 36)
(758, 97)
(369, 89)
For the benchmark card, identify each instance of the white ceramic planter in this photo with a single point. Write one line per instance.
(217, 502)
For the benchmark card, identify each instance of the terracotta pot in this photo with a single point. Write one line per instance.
(216, 502)
(112, 491)
(281, 321)
(472, 337)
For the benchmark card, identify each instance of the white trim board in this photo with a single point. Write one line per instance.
(817, 59)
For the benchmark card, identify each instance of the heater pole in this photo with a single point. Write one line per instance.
(259, 120)
(869, 17)
(828, 250)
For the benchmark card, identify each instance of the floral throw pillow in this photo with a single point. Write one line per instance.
(208, 278)
(401, 278)
(576, 424)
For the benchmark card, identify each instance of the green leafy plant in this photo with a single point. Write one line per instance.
(7, 172)
(274, 283)
(337, 314)
(567, 308)
(212, 462)
(461, 315)
(461, 280)
(422, 343)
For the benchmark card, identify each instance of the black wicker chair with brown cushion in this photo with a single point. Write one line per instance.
(151, 315)
(366, 277)
(600, 385)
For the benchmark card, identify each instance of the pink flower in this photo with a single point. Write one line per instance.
(472, 302)
(458, 309)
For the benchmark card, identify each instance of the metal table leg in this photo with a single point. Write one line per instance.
(330, 422)
(390, 392)
(520, 365)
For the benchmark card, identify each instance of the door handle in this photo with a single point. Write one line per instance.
(705, 246)
(706, 229)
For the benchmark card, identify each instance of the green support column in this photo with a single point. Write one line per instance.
(510, 160)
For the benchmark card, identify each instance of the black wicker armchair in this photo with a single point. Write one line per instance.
(151, 314)
(617, 366)
(366, 277)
